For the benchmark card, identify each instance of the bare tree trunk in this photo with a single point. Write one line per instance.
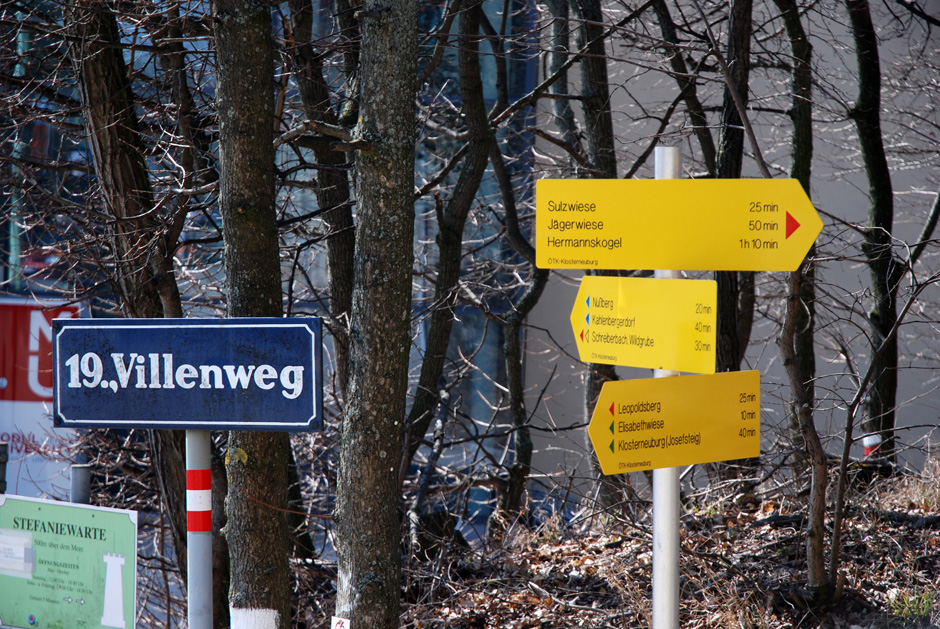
(510, 502)
(885, 271)
(735, 289)
(796, 337)
(367, 516)
(332, 181)
(257, 531)
(451, 223)
(142, 247)
(557, 56)
(796, 340)
(687, 85)
(800, 169)
(595, 89)
(602, 158)
(118, 153)
(817, 577)
(733, 320)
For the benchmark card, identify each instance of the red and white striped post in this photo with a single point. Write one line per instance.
(199, 529)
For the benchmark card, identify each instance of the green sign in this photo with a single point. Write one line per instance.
(66, 565)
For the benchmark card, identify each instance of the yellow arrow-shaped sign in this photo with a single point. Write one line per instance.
(693, 224)
(646, 322)
(667, 422)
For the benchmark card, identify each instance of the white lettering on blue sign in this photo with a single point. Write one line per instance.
(156, 371)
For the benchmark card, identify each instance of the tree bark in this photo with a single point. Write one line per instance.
(796, 340)
(885, 271)
(800, 169)
(451, 225)
(817, 577)
(257, 529)
(117, 150)
(558, 55)
(511, 501)
(595, 89)
(602, 158)
(734, 322)
(367, 515)
(687, 86)
(142, 247)
(332, 182)
(735, 289)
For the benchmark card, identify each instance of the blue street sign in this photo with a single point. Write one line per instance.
(213, 374)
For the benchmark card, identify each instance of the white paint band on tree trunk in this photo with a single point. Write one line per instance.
(253, 618)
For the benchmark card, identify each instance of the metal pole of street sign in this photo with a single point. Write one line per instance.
(666, 480)
(80, 483)
(199, 529)
(4, 457)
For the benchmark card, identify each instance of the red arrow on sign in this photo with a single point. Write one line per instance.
(612, 408)
(792, 224)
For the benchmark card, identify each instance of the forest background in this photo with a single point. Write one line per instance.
(373, 164)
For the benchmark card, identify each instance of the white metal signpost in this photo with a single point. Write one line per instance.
(666, 480)
(734, 225)
(197, 374)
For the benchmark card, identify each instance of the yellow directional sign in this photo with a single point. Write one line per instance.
(668, 422)
(693, 224)
(646, 322)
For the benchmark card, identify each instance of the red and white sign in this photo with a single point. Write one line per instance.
(26, 348)
(36, 467)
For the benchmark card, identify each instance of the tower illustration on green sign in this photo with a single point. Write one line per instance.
(66, 565)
